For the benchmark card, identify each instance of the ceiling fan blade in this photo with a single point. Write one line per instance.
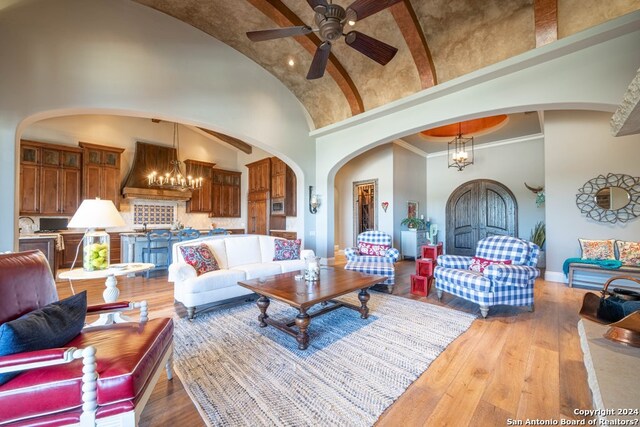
(379, 51)
(364, 8)
(319, 63)
(261, 35)
(319, 6)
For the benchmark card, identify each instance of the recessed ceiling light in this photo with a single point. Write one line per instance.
(291, 62)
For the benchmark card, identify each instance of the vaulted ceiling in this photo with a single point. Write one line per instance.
(437, 41)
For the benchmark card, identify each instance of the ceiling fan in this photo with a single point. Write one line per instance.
(331, 19)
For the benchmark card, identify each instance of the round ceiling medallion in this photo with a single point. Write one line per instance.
(468, 128)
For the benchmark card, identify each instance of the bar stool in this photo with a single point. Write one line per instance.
(188, 234)
(218, 231)
(158, 246)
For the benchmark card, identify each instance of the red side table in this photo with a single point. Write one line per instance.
(432, 251)
(420, 285)
(424, 267)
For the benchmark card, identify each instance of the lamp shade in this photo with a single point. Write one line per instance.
(96, 213)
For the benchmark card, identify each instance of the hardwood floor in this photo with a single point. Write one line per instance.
(513, 365)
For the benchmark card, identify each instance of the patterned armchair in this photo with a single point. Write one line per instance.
(361, 258)
(498, 284)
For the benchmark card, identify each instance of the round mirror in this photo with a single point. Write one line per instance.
(612, 198)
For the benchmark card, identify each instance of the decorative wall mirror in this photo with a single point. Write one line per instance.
(611, 198)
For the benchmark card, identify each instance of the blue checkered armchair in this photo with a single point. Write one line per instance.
(368, 264)
(375, 238)
(499, 284)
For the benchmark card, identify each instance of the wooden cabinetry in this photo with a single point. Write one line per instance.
(283, 186)
(289, 235)
(257, 213)
(50, 179)
(71, 242)
(46, 245)
(260, 175)
(101, 172)
(225, 193)
(201, 198)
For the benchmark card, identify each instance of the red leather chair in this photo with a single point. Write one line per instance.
(105, 375)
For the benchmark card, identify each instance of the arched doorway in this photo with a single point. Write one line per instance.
(478, 209)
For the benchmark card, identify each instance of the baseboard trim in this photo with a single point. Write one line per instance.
(555, 276)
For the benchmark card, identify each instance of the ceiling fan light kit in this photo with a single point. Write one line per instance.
(330, 19)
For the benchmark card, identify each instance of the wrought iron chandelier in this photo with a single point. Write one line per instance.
(458, 151)
(174, 179)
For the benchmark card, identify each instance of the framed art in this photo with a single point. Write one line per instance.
(412, 209)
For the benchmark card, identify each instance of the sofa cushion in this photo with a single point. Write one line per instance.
(629, 252)
(597, 249)
(213, 280)
(219, 249)
(290, 265)
(286, 249)
(200, 257)
(259, 269)
(243, 250)
(127, 354)
(51, 326)
(267, 247)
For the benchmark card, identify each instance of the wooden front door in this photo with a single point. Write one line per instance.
(478, 209)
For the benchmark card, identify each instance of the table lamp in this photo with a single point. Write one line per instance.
(95, 215)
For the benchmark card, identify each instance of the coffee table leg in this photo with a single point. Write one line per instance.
(263, 304)
(364, 296)
(302, 322)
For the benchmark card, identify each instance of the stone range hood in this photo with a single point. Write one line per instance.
(148, 158)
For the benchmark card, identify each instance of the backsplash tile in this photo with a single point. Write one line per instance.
(154, 214)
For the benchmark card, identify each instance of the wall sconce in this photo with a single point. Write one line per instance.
(313, 201)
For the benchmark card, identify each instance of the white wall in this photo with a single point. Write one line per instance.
(578, 147)
(374, 164)
(118, 57)
(511, 164)
(409, 183)
(589, 70)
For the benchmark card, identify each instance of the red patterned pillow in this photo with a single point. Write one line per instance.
(200, 258)
(372, 249)
(287, 249)
(479, 264)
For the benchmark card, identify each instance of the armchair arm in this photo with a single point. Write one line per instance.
(181, 271)
(307, 253)
(393, 254)
(513, 275)
(38, 359)
(120, 306)
(454, 261)
(351, 253)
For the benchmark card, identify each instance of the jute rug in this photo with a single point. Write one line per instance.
(239, 374)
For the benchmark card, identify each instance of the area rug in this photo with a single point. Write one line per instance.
(239, 374)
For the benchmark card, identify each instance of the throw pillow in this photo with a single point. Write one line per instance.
(372, 249)
(597, 249)
(287, 249)
(479, 264)
(629, 252)
(200, 258)
(51, 326)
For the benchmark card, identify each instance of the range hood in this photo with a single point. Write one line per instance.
(149, 158)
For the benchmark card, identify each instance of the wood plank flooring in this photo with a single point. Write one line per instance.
(512, 365)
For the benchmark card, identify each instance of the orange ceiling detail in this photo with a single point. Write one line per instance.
(468, 127)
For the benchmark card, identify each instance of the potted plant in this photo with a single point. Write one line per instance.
(539, 236)
(414, 223)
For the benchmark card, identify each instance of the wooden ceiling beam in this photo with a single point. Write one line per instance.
(279, 13)
(413, 35)
(546, 21)
(234, 142)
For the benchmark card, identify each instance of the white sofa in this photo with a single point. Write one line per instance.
(240, 257)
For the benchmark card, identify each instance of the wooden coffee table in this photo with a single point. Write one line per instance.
(303, 295)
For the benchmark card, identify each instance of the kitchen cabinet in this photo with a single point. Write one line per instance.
(45, 244)
(283, 185)
(225, 194)
(50, 179)
(260, 175)
(101, 172)
(289, 235)
(201, 198)
(257, 212)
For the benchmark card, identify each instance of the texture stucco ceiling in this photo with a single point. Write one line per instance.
(461, 35)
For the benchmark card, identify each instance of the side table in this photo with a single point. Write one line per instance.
(111, 293)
